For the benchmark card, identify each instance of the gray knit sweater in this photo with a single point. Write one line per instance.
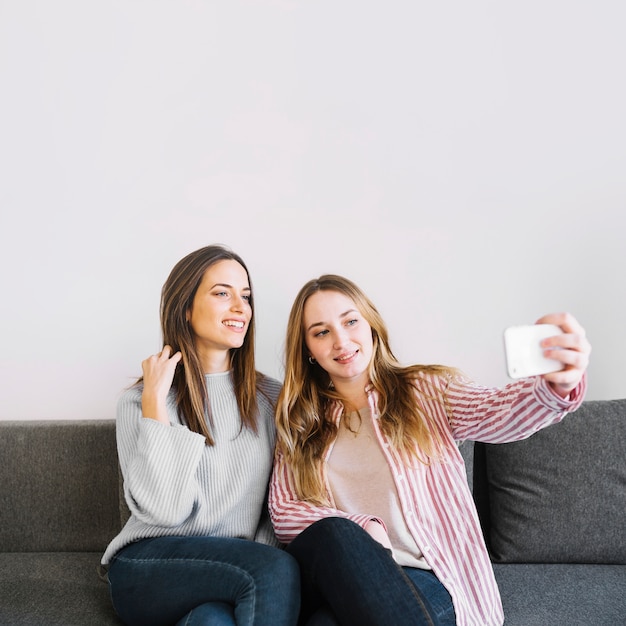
(174, 484)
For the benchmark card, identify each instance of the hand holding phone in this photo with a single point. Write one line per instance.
(524, 355)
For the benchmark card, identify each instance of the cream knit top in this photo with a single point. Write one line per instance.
(174, 484)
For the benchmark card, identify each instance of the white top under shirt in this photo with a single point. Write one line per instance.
(361, 482)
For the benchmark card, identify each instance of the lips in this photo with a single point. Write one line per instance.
(346, 357)
(237, 324)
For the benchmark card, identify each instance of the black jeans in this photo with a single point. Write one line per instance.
(349, 579)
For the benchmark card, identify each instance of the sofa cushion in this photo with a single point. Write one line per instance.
(537, 595)
(58, 485)
(54, 589)
(560, 496)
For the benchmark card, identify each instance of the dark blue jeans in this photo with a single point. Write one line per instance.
(192, 581)
(350, 579)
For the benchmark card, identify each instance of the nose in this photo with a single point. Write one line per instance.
(340, 339)
(237, 303)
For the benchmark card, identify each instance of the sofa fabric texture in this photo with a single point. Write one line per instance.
(58, 485)
(539, 594)
(59, 508)
(550, 507)
(560, 496)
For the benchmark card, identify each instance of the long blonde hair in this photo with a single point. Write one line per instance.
(302, 412)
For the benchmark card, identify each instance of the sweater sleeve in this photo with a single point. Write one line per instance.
(158, 464)
(510, 413)
(289, 515)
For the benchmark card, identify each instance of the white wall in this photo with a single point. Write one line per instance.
(464, 162)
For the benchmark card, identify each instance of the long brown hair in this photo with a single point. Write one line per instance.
(304, 430)
(189, 382)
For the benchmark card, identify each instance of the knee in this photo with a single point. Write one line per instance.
(329, 538)
(284, 568)
(334, 530)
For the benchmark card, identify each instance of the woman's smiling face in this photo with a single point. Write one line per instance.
(337, 336)
(221, 310)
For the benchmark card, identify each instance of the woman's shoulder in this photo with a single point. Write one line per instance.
(268, 386)
(130, 394)
(433, 374)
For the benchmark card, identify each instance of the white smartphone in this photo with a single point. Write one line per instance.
(524, 355)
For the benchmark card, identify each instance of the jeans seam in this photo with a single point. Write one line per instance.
(417, 597)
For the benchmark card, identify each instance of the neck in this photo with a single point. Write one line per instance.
(214, 362)
(353, 394)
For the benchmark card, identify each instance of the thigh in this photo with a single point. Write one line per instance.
(158, 581)
(434, 594)
(356, 576)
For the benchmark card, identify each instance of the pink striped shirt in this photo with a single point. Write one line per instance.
(435, 499)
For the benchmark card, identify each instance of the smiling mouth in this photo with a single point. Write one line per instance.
(234, 324)
(346, 357)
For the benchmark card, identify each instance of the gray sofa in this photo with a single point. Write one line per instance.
(553, 513)
(552, 509)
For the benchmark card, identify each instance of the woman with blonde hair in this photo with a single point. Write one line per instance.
(369, 488)
(196, 441)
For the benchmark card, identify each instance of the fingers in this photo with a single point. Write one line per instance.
(158, 375)
(566, 321)
(166, 353)
(572, 348)
(158, 369)
(162, 357)
(574, 339)
(572, 358)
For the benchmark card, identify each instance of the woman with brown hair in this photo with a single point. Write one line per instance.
(196, 439)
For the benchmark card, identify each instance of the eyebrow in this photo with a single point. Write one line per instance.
(342, 315)
(228, 286)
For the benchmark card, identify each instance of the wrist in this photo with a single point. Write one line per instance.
(151, 408)
(563, 391)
